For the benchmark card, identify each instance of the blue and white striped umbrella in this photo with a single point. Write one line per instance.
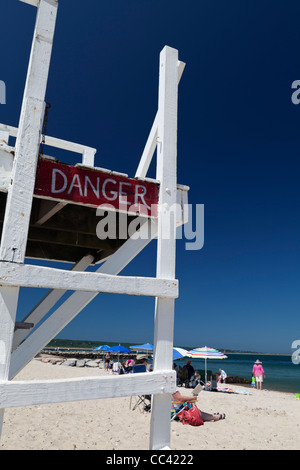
(178, 353)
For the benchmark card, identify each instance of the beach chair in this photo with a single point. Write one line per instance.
(176, 407)
(214, 381)
(186, 412)
(142, 402)
(117, 367)
(136, 369)
(201, 374)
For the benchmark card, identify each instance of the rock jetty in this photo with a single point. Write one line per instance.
(79, 358)
(230, 379)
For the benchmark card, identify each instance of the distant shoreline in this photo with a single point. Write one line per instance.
(258, 354)
(63, 346)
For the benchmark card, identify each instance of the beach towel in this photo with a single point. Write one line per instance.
(190, 415)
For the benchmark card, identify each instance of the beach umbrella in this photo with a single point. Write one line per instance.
(142, 347)
(103, 347)
(206, 353)
(178, 353)
(119, 349)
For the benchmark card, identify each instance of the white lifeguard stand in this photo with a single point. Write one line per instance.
(35, 215)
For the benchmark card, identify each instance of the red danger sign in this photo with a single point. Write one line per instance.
(95, 188)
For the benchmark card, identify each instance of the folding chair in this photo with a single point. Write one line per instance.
(187, 413)
(177, 407)
(201, 374)
(141, 401)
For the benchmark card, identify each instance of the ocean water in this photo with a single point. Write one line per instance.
(281, 374)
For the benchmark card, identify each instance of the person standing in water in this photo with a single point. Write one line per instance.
(259, 374)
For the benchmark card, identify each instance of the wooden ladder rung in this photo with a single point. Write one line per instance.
(20, 325)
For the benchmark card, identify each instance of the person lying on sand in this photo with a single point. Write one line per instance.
(178, 398)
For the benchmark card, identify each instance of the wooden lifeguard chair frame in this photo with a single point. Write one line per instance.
(17, 179)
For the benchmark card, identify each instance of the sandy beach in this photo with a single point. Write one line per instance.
(261, 420)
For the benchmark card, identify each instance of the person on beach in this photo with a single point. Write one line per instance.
(107, 360)
(129, 365)
(258, 373)
(143, 359)
(178, 398)
(190, 371)
(222, 376)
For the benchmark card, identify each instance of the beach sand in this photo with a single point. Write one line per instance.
(263, 420)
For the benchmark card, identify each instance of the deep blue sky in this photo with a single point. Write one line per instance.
(238, 150)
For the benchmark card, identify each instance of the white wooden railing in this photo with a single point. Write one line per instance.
(88, 153)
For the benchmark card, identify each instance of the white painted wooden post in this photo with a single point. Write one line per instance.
(88, 157)
(167, 175)
(151, 143)
(20, 191)
(8, 308)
